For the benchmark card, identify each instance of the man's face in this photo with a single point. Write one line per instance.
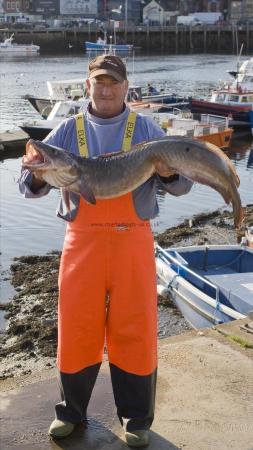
(107, 95)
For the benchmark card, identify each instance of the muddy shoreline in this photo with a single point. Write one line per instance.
(29, 342)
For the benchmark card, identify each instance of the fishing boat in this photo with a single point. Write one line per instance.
(9, 48)
(235, 104)
(139, 94)
(40, 128)
(233, 99)
(209, 284)
(245, 69)
(204, 127)
(102, 46)
(58, 90)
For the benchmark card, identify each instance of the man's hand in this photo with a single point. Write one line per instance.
(163, 170)
(37, 183)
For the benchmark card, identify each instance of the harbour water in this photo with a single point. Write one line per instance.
(30, 226)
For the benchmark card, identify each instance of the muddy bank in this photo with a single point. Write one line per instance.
(29, 343)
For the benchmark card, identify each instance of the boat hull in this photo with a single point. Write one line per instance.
(239, 114)
(42, 105)
(36, 132)
(94, 46)
(221, 139)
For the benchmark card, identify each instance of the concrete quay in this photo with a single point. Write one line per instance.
(204, 399)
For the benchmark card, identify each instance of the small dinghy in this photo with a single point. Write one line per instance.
(209, 284)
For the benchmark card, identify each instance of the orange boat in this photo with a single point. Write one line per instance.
(204, 127)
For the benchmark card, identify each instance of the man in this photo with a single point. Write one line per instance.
(107, 278)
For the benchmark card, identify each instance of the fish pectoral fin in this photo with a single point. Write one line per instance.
(86, 192)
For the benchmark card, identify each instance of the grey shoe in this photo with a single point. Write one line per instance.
(59, 429)
(137, 438)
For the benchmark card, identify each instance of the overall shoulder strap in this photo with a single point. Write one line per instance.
(129, 131)
(82, 140)
(81, 135)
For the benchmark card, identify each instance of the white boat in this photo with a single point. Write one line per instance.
(245, 69)
(9, 48)
(60, 90)
(140, 94)
(40, 128)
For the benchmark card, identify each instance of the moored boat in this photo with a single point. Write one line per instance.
(233, 99)
(72, 89)
(204, 127)
(234, 105)
(40, 128)
(9, 48)
(138, 94)
(209, 284)
(102, 46)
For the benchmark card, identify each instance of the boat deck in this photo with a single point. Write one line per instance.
(235, 287)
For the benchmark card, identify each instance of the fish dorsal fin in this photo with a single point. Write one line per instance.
(109, 155)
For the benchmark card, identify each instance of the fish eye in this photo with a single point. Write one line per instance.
(187, 149)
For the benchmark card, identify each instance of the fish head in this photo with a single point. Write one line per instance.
(52, 164)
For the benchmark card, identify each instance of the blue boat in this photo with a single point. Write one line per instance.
(102, 46)
(209, 284)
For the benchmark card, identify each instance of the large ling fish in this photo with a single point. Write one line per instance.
(119, 173)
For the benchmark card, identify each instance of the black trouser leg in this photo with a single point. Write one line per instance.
(76, 389)
(134, 397)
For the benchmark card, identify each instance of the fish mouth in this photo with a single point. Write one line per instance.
(34, 156)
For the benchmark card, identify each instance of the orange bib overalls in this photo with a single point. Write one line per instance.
(107, 284)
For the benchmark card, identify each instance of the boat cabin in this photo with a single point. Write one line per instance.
(67, 89)
(62, 110)
(234, 97)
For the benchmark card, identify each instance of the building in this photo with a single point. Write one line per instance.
(118, 10)
(45, 8)
(79, 8)
(161, 12)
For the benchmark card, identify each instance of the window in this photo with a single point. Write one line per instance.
(234, 98)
